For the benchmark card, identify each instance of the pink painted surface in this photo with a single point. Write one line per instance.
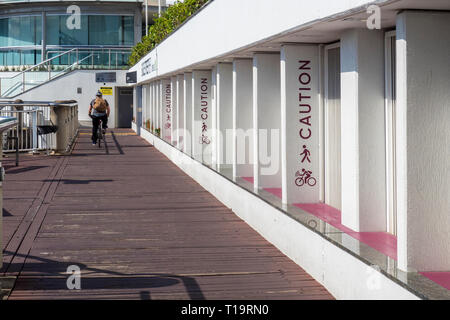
(275, 191)
(249, 179)
(441, 278)
(381, 241)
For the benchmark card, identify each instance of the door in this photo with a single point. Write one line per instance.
(125, 107)
(332, 126)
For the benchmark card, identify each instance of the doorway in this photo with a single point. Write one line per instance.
(124, 107)
(332, 126)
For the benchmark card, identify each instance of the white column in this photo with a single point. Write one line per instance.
(224, 108)
(188, 120)
(266, 120)
(201, 104)
(362, 130)
(160, 108)
(242, 118)
(213, 114)
(155, 104)
(300, 111)
(173, 97)
(166, 121)
(144, 104)
(180, 111)
(152, 106)
(423, 144)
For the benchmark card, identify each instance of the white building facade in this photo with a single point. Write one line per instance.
(325, 125)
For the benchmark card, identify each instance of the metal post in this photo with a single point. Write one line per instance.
(34, 129)
(23, 82)
(146, 17)
(109, 58)
(44, 38)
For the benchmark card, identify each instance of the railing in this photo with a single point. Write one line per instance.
(88, 58)
(60, 62)
(34, 121)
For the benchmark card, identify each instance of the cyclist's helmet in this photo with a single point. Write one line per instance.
(99, 93)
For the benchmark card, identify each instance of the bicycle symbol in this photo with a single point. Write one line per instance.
(304, 177)
(204, 140)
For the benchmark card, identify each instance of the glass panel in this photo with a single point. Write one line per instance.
(128, 31)
(104, 30)
(73, 36)
(20, 31)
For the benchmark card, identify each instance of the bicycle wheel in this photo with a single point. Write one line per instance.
(311, 181)
(299, 181)
(100, 137)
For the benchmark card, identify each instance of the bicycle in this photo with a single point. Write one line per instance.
(100, 133)
(303, 178)
(100, 136)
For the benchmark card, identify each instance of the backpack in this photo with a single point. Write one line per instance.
(99, 105)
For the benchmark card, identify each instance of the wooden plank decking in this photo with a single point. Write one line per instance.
(137, 226)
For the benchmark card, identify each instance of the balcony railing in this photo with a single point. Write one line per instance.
(59, 62)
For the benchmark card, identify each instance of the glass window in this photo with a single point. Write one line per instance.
(95, 30)
(21, 31)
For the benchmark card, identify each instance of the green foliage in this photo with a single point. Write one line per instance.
(170, 19)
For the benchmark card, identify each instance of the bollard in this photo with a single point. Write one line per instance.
(66, 118)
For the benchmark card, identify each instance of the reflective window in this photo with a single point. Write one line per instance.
(20, 31)
(94, 30)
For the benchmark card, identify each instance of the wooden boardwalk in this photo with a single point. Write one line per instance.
(137, 227)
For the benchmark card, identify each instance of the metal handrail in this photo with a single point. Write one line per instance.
(37, 65)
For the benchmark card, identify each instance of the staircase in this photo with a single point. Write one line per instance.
(58, 65)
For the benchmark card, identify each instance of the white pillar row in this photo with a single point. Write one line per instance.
(166, 129)
(180, 111)
(423, 143)
(224, 111)
(173, 98)
(201, 116)
(266, 120)
(300, 112)
(213, 114)
(188, 120)
(363, 157)
(242, 118)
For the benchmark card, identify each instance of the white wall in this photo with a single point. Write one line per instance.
(423, 142)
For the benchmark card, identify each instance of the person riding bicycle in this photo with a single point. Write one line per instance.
(98, 110)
